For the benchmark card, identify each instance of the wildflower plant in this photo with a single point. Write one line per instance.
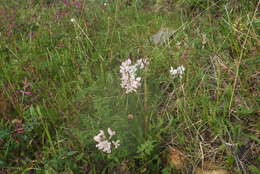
(129, 79)
(26, 86)
(110, 112)
(178, 72)
(105, 144)
(86, 113)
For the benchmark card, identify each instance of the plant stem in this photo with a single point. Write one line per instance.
(145, 103)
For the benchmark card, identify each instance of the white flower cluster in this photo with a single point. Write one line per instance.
(129, 81)
(104, 144)
(178, 71)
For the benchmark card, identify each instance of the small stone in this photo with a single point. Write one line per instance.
(210, 168)
(177, 158)
(215, 171)
(162, 36)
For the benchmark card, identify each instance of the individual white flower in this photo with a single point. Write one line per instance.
(116, 143)
(100, 137)
(178, 71)
(72, 20)
(142, 63)
(111, 133)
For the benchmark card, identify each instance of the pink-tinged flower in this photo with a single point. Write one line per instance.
(129, 81)
(26, 85)
(103, 143)
(61, 13)
(142, 63)
(19, 130)
(111, 133)
(18, 126)
(105, 146)
(100, 137)
(26, 92)
(78, 4)
(66, 2)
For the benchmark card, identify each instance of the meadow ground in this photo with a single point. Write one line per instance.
(60, 84)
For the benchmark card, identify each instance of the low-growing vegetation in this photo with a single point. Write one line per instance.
(129, 87)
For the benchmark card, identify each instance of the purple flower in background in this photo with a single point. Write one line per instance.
(26, 92)
(26, 85)
(66, 2)
(78, 4)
